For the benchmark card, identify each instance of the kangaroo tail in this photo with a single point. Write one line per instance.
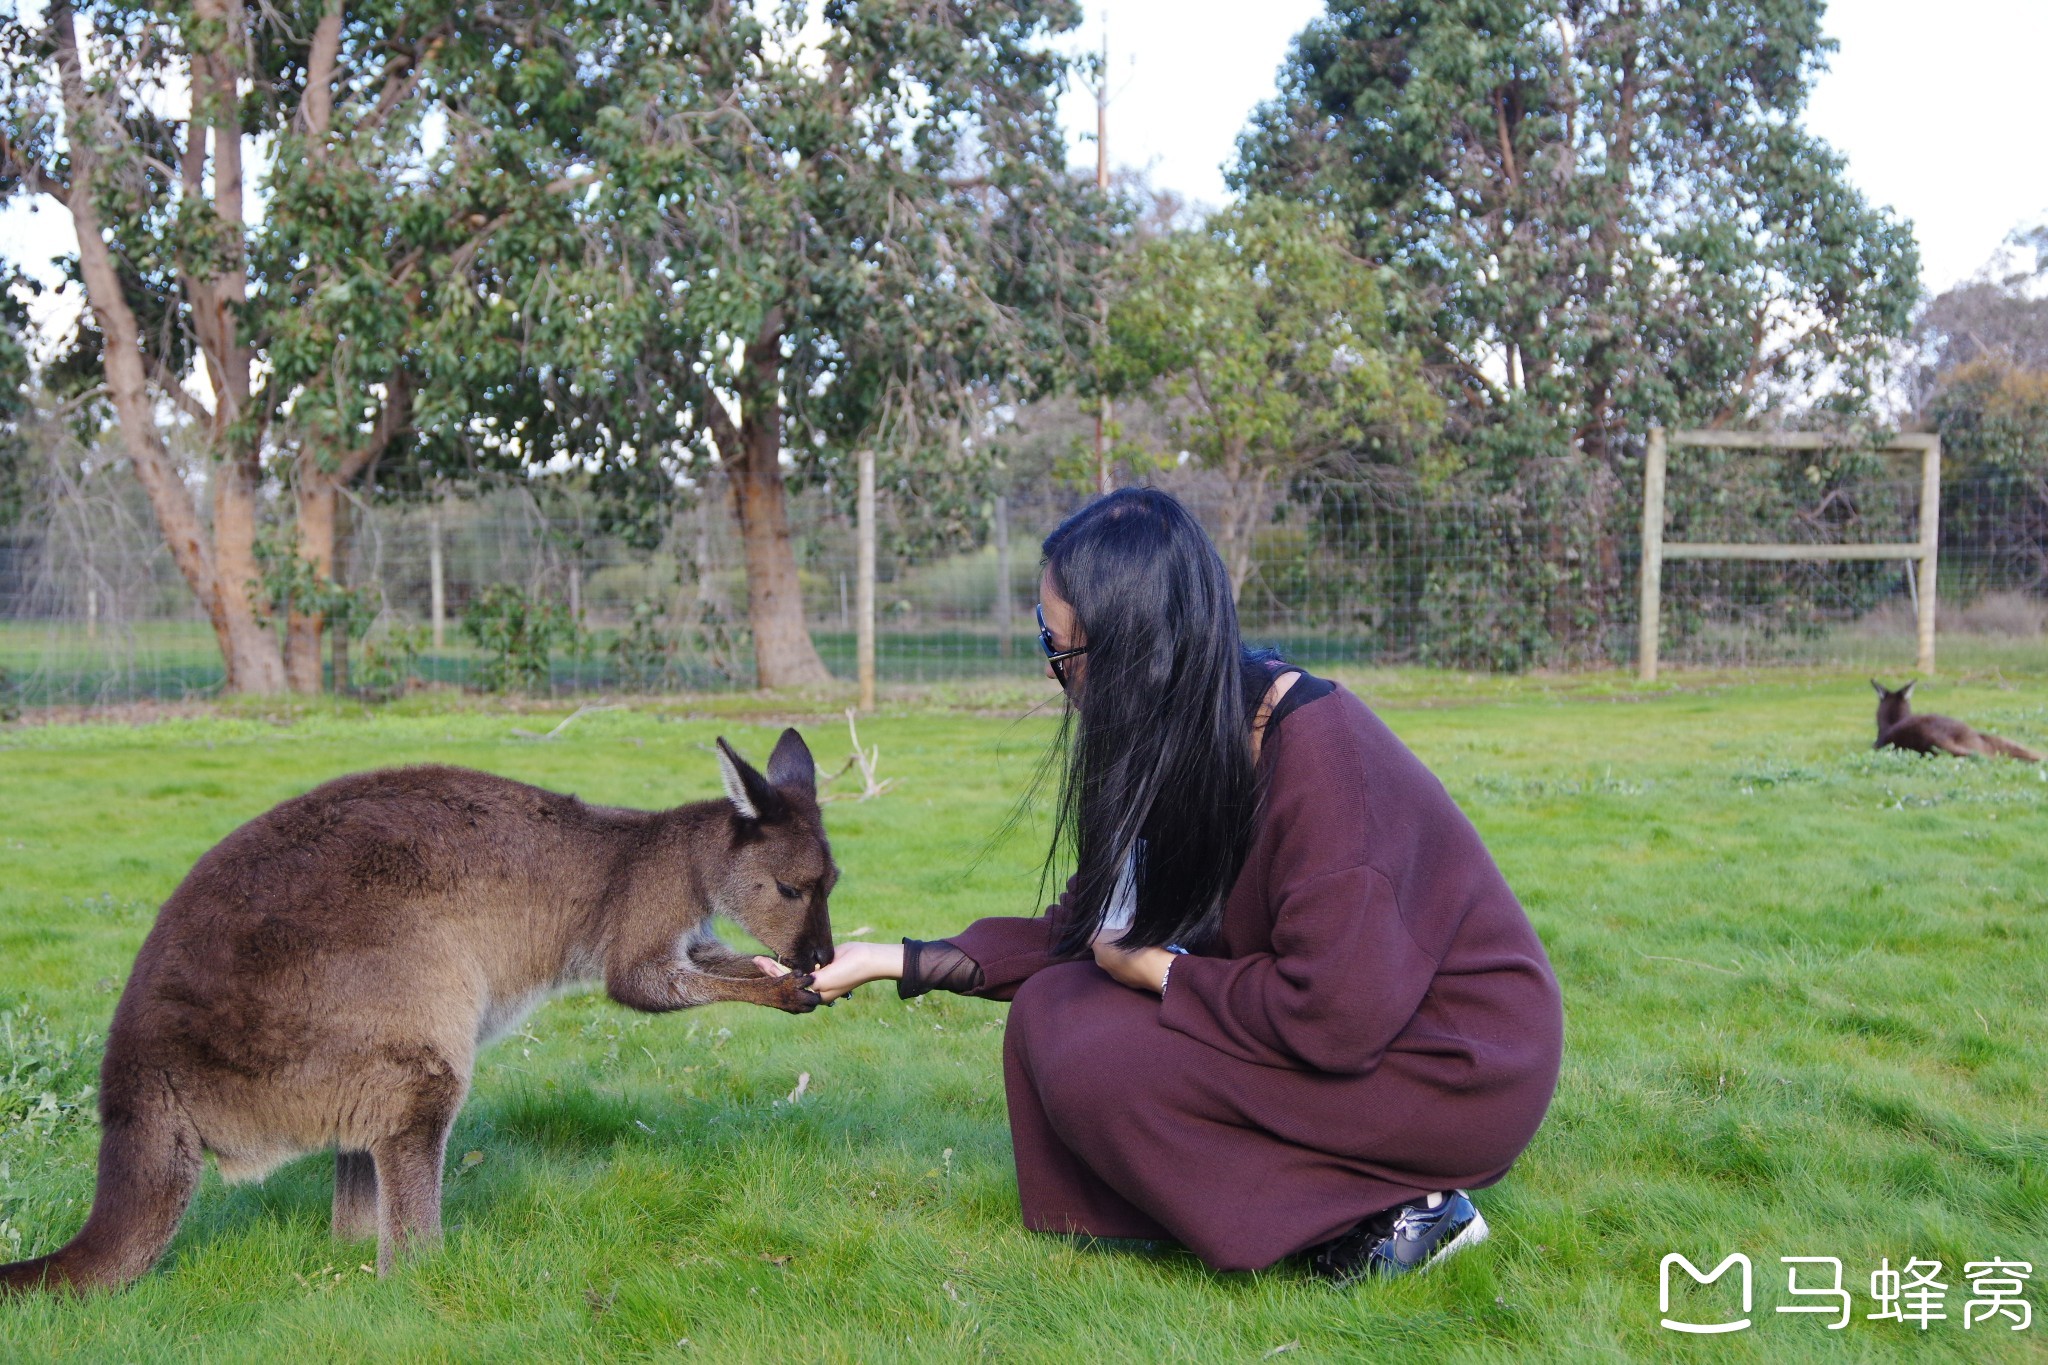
(149, 1167)
(2008, 749)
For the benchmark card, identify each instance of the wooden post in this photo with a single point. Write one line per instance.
(337, 634)
(437, 581)
(1002, 602)
(1653, 557)
(1930, 545)
(864, 588)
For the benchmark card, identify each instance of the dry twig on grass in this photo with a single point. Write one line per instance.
(868, 761)
(573, 717)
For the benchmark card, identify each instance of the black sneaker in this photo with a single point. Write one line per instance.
(1411, 1236)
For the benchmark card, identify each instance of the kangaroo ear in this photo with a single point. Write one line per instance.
(1882, 691)
(791, 765)
(1907, 690)
(750, 793)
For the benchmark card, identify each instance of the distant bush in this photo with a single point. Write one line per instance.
(652, 649)
(389, 661)
(519, 633)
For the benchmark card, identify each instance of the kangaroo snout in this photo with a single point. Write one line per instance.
(810, 957)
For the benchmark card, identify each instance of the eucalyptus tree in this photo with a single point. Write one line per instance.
(278, 211)
(159, 204)
(1596, 214)
(415, 207)
(1983, 384)
(814, 231)
(1264, 341)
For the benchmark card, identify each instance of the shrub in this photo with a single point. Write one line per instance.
(518, 632)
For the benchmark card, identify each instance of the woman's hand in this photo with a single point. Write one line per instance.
(1141, 969)
(854, 964)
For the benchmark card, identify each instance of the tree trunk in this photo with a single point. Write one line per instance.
(783, 653)
(1240, 519)
(254, 662)
(320, 480)
(314, 492)
(220, 574)
(342, 685)
(316, 496)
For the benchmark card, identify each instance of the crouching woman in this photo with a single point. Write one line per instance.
(1287, 1003)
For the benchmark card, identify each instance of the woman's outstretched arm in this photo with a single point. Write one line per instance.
(852, 965)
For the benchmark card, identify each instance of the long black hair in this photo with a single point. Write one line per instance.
(1158, 745)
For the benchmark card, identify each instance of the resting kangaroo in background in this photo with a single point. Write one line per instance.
(324, 977)
(1899, 728)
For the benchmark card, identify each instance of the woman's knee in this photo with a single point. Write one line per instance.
(1072, 1028)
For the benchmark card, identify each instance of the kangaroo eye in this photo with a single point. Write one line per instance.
(789, 893)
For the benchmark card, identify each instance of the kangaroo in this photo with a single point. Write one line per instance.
(324, 977)
(1899, 728)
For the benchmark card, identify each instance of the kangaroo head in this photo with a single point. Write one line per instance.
(780, 872)
(1892, 707)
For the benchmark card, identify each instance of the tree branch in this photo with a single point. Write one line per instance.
(180, 397)
(16, 166)
(392, 420)
(316, 110)
(725, 434)
(1506, 137)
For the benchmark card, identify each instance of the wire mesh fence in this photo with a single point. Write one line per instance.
(1536, 573)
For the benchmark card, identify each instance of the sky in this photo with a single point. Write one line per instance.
(1936, 108)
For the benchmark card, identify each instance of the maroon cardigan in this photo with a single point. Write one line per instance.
(1368, 936)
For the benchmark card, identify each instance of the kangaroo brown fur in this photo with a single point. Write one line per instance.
(1899, 728)
(324, 977)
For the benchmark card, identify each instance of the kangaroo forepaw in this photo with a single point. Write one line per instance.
(793, 993)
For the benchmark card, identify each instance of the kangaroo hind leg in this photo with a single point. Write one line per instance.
(355, 1196)
(408, 1160)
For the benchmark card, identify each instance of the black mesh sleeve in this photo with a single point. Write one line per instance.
(936, 966)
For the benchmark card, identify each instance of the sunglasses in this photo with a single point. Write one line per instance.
(1055, 657)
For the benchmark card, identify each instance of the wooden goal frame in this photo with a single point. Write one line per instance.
(1656, 549)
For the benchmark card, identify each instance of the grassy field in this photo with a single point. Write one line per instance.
(1803, 984)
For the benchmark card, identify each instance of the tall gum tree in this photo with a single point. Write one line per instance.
(301, 343)
(1602, 213)
(158, 204)
(1263, 340)
(1595, 216)
(421, 177)
(814, 231)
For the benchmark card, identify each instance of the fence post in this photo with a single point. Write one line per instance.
(437, 580)
(864, 572)
(1002, 603)
(1653, 557)
(337, 631)
(1930, 546)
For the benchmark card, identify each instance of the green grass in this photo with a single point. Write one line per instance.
(1803, 987)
